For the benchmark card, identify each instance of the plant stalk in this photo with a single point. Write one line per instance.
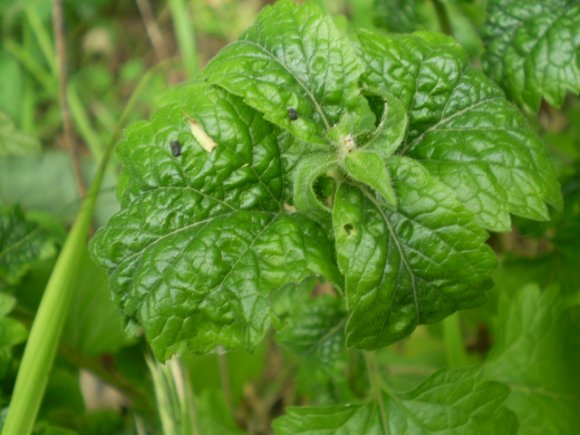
(377, 388)
(454, 346)
(47, 328)
(185, 35)
(443, 17)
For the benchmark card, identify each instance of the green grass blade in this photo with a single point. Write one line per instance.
(185, 34)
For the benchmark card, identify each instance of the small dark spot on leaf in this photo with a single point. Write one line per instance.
(175, 148)
(292, 114)
(348, 228)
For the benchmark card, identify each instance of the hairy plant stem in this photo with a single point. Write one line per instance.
(377, 388)
(174, 395)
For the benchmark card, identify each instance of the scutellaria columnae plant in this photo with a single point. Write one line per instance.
(377, 163)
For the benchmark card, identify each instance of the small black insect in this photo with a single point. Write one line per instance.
(175, 148)
(292, 114)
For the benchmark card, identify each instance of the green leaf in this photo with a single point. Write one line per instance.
(94, 325)
(203, 237)
(315, 330)
(213, 416)
(461, 127)
(12, 332)
(537, 353)
(368, 168)
(416, 264)
(308, 171)
(533, 49)
(293, 58)
(23, 242)
(392, 128)
(449, 402)
(14, 142)
(400, 16)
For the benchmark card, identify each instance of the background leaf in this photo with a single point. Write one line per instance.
(12, 332)
(23, 242)
(14, 142)
(449, 402)
(533, 49)
(537, 353)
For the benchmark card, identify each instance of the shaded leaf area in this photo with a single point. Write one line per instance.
(96, 423)
(213, 416)
(537, 353)
(462, 129)
(555, 260)
(94, 325)
(23, 242)
(458, 401)
(533, 49)
(435, 260)
(313, 327)
(400, 16)
(293, 58)
(12, 332)
(201, 238)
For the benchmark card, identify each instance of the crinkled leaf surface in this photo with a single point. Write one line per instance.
(537, 353)
(450, 402)
(202, 237)
(533, 49)
(211, 220)
(22, 243)
(416, 264)
(462, 128)
(293, 57)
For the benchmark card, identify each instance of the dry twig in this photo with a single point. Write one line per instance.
(58, 28)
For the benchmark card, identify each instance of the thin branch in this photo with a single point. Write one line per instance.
(153, 31)
(58, 28)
